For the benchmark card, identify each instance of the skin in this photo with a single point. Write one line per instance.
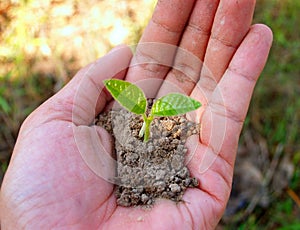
(49, 185)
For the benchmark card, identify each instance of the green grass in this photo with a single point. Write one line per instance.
(276, 95)
(18, 98)
(274, 113)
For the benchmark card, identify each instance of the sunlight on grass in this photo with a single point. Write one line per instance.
(48, 36)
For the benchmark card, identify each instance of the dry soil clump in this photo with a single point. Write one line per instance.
(156, 169)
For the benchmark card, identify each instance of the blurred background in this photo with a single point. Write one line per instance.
(44, 43)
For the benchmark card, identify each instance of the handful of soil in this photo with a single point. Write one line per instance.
(155, 169)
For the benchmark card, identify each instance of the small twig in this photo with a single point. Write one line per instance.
(294, 196)
(273, 165)
(265, 155)
(266, 181)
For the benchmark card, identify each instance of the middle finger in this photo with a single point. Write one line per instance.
(190, 55)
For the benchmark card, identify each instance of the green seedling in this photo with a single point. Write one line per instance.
(133, 99)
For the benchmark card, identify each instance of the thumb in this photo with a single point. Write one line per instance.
(83, 97)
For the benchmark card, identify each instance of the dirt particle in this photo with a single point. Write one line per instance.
(160, 174)
(160, 186)
(183, 173)
(175, 188)
(144, 198)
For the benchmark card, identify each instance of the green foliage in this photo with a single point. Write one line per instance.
(4, 105)
(295, 226)
(174, 104)
(133, 99)
(128, 95)
(274, 114)
(282, 215)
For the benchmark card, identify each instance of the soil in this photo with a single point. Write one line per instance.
(151, 170)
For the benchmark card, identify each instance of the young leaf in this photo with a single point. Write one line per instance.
(174, 104)
(128, 95)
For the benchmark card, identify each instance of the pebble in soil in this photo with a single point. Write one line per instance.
(155, 169)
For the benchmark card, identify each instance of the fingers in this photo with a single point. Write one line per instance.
(212, 159)
(231, 24)
(168, 21)
(166, 27)
(230, 100)
(192, 48)
(83, 98)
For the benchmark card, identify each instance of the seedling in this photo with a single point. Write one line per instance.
(134, 100)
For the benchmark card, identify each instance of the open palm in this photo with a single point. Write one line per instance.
(49, 184)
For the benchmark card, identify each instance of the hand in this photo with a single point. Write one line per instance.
(48, 184)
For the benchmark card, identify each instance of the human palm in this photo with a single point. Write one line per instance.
(50, 184)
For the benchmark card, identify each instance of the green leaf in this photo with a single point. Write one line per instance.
(128, 95)
(174, 104)
(4, 105)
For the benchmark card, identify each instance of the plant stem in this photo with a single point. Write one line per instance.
(147, 121)
(142, 131)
